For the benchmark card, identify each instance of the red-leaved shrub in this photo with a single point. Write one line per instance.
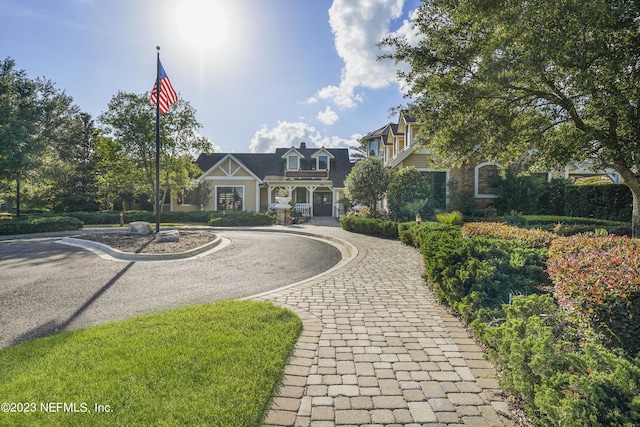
(597, 280)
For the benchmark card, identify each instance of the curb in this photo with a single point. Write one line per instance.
(107, 252)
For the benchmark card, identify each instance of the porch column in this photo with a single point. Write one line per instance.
(311, 189)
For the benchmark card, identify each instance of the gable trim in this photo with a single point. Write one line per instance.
(228, 174)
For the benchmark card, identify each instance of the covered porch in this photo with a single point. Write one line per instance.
(309, 199)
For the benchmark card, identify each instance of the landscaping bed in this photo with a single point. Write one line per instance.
(146, 244)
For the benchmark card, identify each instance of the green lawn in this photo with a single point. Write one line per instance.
(214, 365)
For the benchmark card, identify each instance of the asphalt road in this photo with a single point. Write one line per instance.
(46, 286)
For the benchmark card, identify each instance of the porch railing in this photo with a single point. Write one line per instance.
(303, 209)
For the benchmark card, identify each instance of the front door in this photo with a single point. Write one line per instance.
(322, 204)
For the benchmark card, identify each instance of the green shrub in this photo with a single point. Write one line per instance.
(612, 202)
(232, 219)
(39, 225)
(373, 227)
(410, 233)
(452, 218)
(476, 273)
(561, 384)
(497, 230)
(597, 280)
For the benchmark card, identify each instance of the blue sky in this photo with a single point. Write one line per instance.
(261, 74)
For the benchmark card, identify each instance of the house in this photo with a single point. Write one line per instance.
(312, 177)
(470, 186)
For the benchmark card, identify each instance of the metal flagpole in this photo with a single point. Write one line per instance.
(158, 141)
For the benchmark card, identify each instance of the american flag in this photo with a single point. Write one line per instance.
(168, 94)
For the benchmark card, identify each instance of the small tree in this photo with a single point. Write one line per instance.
(367, 182)
(407, 186)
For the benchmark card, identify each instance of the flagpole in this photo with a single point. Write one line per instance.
(158, 141)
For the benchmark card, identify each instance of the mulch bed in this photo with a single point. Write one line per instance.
(146, 244)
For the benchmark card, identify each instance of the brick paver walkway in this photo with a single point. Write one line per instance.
(377, 348)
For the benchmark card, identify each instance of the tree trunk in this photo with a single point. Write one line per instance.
(635, 215)
(18, 195)
(633, 182)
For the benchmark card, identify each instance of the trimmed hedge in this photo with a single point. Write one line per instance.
(597, 280)
(231, 219)
(612, 202)
(478, 274)
(498, 230)
(374, 227)
(39, 225)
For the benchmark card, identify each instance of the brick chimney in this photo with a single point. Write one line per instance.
(303, 145)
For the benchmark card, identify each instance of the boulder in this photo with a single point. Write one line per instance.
(139, 227)
(168, 236)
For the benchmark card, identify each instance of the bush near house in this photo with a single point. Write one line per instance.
(234, 218)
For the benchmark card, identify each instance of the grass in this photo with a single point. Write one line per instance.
(215, 365)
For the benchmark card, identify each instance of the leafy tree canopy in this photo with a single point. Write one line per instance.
(367, 182)
(550, 80)
(129, 125)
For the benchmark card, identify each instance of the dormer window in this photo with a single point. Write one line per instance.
(293, 162)
(322, 162)
(322, 159)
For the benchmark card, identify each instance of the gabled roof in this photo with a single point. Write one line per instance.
(321, 152)
(271, 164)
(382, 133)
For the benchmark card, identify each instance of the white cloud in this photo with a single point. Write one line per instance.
(358, 25)
(328, 116)
(290, 134)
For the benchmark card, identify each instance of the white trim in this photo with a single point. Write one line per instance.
(476, 190)
(229, 178)
(227, 175)
(446, 182)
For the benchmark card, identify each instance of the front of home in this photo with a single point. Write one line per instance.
(312, 177)
(470, 185)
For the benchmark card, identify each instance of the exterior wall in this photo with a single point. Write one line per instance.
(248, 197)
(419, 160)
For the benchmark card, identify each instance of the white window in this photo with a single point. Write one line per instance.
(294, 162)
(323, 162)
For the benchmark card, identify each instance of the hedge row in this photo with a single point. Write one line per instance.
(75, 220)
(39, 225)
(533, 237)
(612, 202)
(597, 280)
(231, 219)
(478, 274)
(374, 227)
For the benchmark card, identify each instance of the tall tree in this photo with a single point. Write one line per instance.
(367, 182)
(130, 124)
(33, 113)
(75, 158)
(552, 80)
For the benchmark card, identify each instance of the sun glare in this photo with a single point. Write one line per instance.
(203, 24)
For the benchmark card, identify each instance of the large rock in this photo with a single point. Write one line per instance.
(168, 236)
(139, 227)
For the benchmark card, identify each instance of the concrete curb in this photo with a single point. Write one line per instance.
(107, 252)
